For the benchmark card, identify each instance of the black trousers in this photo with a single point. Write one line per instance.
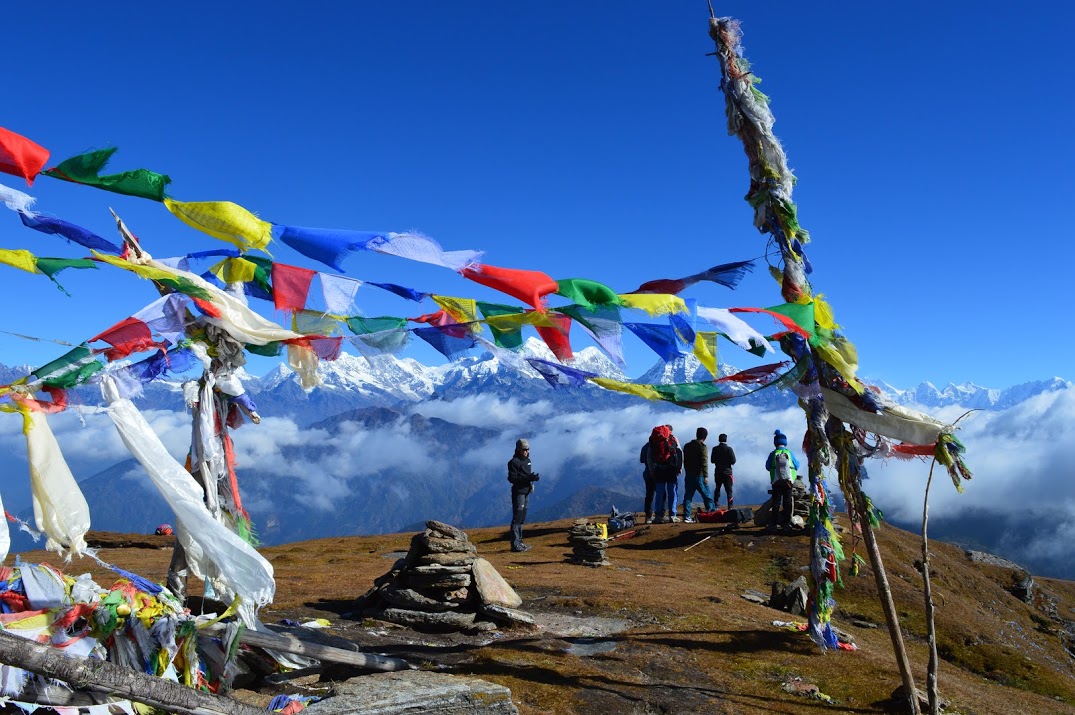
(651, 490)
(727, 482)
(782, 502)
(518, 517)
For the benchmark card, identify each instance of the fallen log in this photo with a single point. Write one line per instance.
(93, 674)
(290, 644)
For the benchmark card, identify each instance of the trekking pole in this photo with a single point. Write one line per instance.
(700, 542)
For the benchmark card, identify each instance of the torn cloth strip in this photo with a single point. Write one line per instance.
(659, 338)
(401, 291)
(224, 220)
(528, 286)
(291, 286)
(16, 200)
(325, 348)
(127, 336)
(603, 324)
(895, 422)
(325, 245)
(339, 292)
(726, 274)
(785, 320)
(560, 375)
(20, 156)
(70, 369)
(86, 169)
(416, 247)
(449, 345)
(758, 374)
(60, 510)
(735, 329)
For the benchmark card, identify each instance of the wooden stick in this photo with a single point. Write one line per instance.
(290, 644)
(104, 676)
(700, 542)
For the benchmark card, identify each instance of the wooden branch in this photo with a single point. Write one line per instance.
(104, 676)
(290, 644)
(931, 626)
(700, 542)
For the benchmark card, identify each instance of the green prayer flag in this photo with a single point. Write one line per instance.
(366, 326)
(51, 266)
(802, 314)
(85, 169)
(587, 293)
(271, 349)
(69, 370)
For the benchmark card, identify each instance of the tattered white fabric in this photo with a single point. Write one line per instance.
(60, 510)
(339, 292)
(5, 534)
(304, 362)
(213, 551)
(166, 316)
(894, 422)
(207, 453)
(737, 330)
(609, 335)
(421, 248)
(17, 200)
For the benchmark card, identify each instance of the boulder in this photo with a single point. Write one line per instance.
(433, 545)
(415, 691)
(440, 569)
(508, 616)
(412, 600)
(446, 531)
(449, 582)
(491, 586)
(452, 559)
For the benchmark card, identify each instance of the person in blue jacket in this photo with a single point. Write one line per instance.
(782, 467)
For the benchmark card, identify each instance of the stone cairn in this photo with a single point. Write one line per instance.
(587, 544)
(800, 505)
(443, 585)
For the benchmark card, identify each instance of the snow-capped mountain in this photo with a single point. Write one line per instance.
(969, 395)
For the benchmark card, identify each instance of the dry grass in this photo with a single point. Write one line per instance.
(695, 645)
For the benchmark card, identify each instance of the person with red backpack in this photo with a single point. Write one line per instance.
(664, 461)
(782, 466)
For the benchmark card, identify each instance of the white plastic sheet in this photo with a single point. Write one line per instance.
(214, 552)
(60, 510)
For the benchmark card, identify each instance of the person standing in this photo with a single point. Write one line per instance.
(696, 474)
(651, 486)
(782, 466)
(522, 480)
(665, 461)
(723, 459)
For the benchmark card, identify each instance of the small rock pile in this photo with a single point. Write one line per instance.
(800, 505)
(587, 544)
(443, 585)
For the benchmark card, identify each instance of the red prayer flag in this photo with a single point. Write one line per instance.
(784, 320)
(126, 337)
(322, 346)
(20, 156)
(528, 286)
(557, 337)
(290, 286)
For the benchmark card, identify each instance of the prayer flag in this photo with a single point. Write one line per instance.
(528, 286)
(291, 286)
(224, 220)
(86, 168)
(20, 156)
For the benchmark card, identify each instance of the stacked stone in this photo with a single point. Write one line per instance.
(443, 585)
(800, 505)
(587, 544)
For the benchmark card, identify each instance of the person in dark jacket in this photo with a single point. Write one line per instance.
(522, 485)
(723, 459)
(696, 473)
(651, 485)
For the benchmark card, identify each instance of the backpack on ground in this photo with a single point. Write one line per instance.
(619, 520)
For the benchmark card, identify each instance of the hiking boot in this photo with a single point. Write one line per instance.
(649, 520)
(689, 520)
(676, 520)
(521, 547)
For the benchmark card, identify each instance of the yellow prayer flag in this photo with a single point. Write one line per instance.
(20, 258)
(224, 220)
(234, 270)
(823, 313)
(705, 349)
(644, 391)
(654, 303)
(462, 310)
(309, 322)
(843, 356)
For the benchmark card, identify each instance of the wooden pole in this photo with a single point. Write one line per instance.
(104, 676)
(885, 594)
(290, 644)
(931, 627)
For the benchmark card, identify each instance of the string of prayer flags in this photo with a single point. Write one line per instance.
(530, 287)
(70, 231)
(20, 156)
(25, 261)
(16, 200)
(224, 220)
(86, 169)
(726, 274)
(172, 279)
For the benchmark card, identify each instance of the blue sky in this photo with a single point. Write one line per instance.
(584, 140)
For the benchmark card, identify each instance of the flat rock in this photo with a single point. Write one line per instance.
(755, 597)
(446, 530)
(416, 691)
(508, 616)
(448, 621)
(448, 582)
(433, 545)
(491, 586)
(440, 569)
(983, 557)
(451, 559)
(412, 600)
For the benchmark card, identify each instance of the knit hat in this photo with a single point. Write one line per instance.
(780, 439)
(521, 445)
